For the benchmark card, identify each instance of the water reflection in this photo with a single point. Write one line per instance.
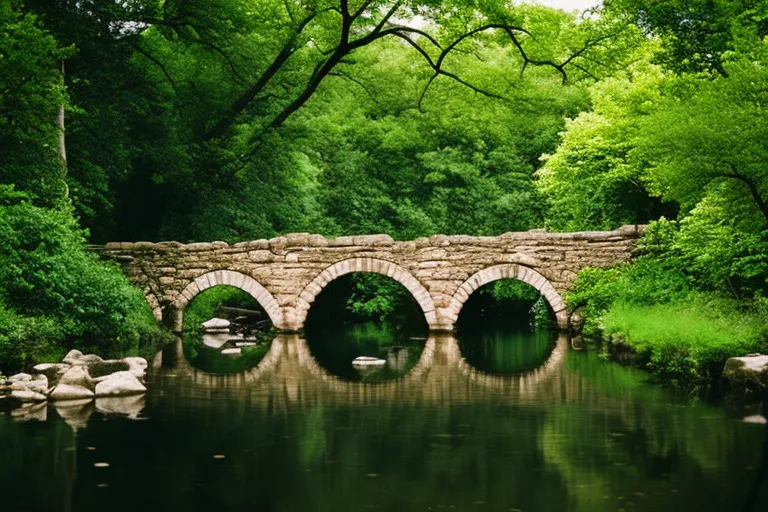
(507, 350)
(334, 350)
(576, 433)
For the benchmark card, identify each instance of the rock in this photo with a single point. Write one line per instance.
(70, 392)
(52, 370)
(246, 344)
(75, 357)
(26, 395)
(755, 418)
(748, 374)
(20, 377)
(130, 406)
(137, 366)
(72, 356)
(77, 376)
(38, 385)
(216, 323)
(232, 351)
(120, 383)
(368, 361)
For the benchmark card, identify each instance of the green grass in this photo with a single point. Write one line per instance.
(687, 341)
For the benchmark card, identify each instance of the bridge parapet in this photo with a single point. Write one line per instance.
(286, 273)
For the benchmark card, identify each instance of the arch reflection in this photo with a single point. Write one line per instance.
(289, 376)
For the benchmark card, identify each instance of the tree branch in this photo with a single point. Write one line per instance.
(751, 185)
(157, 62)
(352, 79)
(220, 128)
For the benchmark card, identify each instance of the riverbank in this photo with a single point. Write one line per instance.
(681, 343)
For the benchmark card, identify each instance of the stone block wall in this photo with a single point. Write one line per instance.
(285, 274)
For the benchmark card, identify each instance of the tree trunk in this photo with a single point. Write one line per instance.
(62, 139)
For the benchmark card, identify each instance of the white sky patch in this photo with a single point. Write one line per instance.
(569, 5)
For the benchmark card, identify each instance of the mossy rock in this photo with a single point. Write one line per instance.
(747, 375)
(97, 370)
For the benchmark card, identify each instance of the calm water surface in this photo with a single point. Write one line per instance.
(496, 421)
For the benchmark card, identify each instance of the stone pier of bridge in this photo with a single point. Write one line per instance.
(286, 273)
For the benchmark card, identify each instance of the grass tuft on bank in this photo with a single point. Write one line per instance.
(686, 342)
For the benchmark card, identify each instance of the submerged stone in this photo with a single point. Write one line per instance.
(130, 406)
(368, 361)
(75, 413)
(216, 340)
(31, 411)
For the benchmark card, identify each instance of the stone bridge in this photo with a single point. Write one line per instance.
(285, 274)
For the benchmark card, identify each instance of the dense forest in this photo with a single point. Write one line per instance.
(242, 119)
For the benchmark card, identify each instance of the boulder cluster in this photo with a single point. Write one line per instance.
(72, 379)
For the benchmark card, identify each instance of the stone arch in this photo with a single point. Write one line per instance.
(371, 265)
(508, 271)
(154, 305)
(229, 278)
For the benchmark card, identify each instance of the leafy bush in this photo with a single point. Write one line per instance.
(55, 295)
(669, 307)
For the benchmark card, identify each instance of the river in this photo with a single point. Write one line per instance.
(495, 420)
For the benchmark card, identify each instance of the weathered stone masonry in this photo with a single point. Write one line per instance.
(286, 273)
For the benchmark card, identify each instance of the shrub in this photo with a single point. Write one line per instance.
(662, 306)
(55, 295)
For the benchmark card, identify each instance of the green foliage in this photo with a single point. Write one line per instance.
(592, 181)
(511, 289)
(203, 307)
(31, 94)
(213, 361)
(54, 295)
(672, 306)
(380, 299)
(707, 138)
(687, 341)
(698, 35)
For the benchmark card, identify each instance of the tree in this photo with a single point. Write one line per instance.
(592, 180)
(181, 99)
(698, 35)
(712, 132)
(31, 95)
